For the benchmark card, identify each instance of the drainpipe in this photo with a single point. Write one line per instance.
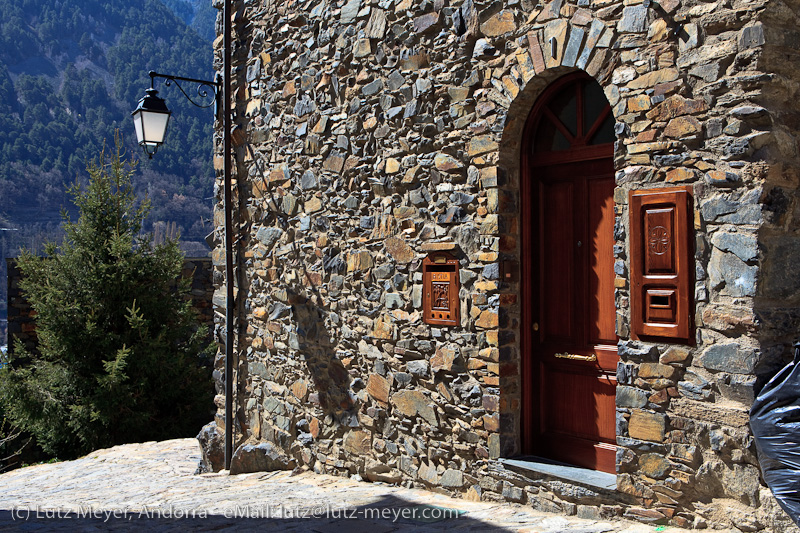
(229, 300)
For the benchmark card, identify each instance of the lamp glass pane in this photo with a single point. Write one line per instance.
(137, 123)
(154, 126)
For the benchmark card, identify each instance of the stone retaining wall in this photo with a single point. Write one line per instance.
(372, 133)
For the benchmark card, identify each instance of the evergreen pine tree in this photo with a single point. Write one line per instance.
(120, 357)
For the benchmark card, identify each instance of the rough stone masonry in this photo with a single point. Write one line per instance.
(372, 133)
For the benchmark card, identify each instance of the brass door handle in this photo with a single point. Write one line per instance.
(576, 357)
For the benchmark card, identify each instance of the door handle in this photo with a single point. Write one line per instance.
(576, 357)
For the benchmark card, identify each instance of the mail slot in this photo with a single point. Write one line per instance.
(440, 304)
(660, 306)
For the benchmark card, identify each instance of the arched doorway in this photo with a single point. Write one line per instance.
(569, 334)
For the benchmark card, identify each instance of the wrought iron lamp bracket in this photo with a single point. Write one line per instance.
(203, 89)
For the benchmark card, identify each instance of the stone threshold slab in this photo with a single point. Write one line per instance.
(584, 476)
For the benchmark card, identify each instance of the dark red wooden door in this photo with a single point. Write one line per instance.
(571, 348)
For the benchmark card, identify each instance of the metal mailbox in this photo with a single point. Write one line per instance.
(440, 303)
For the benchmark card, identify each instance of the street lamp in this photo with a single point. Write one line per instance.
(151, 118)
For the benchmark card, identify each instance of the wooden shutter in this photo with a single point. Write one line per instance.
(661, 262)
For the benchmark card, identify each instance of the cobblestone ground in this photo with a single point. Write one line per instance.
(151, 486)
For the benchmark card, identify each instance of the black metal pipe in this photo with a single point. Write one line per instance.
(226, 141)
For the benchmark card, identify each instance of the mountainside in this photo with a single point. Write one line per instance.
(71, 71)
(200, 15)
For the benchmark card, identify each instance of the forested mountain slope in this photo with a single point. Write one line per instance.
(200, 15)
(71, 71)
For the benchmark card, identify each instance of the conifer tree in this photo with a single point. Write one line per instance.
(120, 357)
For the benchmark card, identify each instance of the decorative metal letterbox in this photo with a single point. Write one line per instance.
(440, 303)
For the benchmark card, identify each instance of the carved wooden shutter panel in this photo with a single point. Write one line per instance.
(661, 262)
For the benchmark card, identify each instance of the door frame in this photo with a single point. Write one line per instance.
(530, 377)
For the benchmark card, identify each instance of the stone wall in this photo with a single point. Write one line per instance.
(371, 133)
(20, 322)
(22, 327)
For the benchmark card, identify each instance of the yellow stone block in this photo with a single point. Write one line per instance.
(680, 174)
(392, 165)
(488, 319)
(476, 364)
(639, 103)
(511, 86)
(486, 285)
(313, 205)
(383, 329)
(645, 425)
(490, 354)
(253, 106)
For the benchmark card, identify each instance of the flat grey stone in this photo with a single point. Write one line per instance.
(634, 19)
(743, 245)
(452, 479)
(592, 478)
(631, 397)
(491, 271)
(596, 29)
(573, 47)
(395, 80)
(731, 275)
(268, 236)
(418, 368)
(350, 11)
(751, 36)
(372, 87)
(729, 357)
(716, 206)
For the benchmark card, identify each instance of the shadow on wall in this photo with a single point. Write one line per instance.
(309, 344)
(776, 306)
(314, 344)
(306, 317)
(384, 515)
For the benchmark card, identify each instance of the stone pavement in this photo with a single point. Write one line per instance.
(151, 485)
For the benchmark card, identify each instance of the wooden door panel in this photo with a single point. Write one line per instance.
(582, 403)
(558, 261)
(607, 359)
(602, 311)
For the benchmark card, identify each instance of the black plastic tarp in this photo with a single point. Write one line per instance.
(775, 421)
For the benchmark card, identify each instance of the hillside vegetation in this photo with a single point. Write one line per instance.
(71, 71)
